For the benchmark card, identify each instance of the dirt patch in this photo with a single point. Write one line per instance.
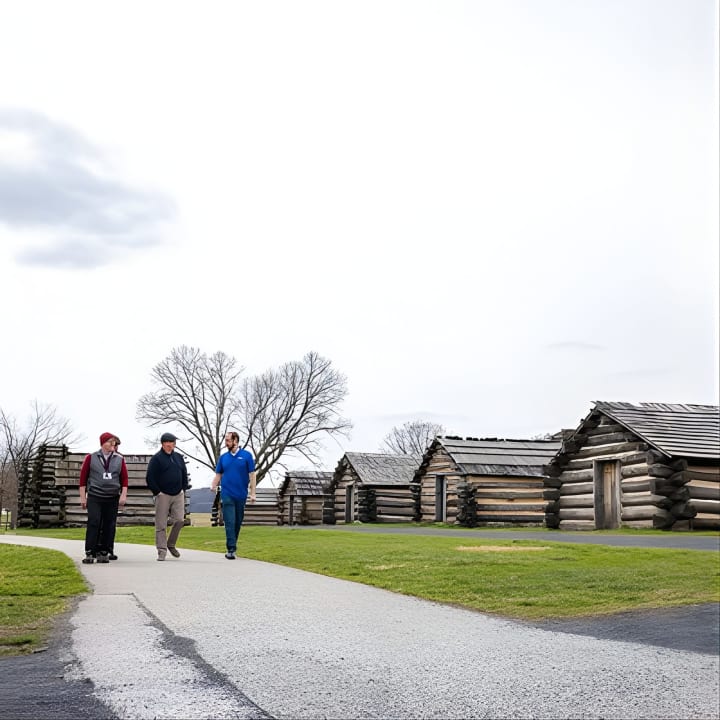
(500, 548)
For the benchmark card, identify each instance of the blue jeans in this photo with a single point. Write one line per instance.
(233, 510)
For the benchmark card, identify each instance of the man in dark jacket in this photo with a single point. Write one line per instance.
(168, 479)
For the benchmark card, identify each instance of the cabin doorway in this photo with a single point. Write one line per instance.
(291, 511)
(350, 503)
(607, 495)
(440, 498)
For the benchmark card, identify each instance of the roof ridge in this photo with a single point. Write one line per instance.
(673, 407)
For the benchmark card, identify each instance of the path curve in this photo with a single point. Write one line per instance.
(202, 637)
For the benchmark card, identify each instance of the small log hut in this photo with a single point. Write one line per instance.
(301, 497)
(646, 465)
(371, 487)
(483, 481)
(49, 495)
(264, 511)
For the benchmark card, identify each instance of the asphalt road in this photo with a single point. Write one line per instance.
(204, 637)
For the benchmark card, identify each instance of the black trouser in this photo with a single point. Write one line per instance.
(102, 517)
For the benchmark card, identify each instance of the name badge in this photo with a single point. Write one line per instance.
(107, 476)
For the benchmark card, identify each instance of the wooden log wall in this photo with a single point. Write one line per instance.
(385, 503)
(467, 505)
(703, 486)
(328, 510)
(439, 464)
(300, 509)
(40, 499)
(339, 494)
(655, 491)
(415, 490)
(139, 508)
(394, 503)
(49, 493)
(367, 511)
(668, 479)
(508, 500)
(570, 487)
(264, 511)
(480, 500)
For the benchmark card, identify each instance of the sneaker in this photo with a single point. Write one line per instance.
(173, 551)
(103, 558)
(161, 555)
(88, 559)
(112, 556)
(230, 555)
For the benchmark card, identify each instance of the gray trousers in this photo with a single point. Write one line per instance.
(168, 508)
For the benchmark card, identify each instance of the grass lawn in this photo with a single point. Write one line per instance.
(529, 579)
(35, 586)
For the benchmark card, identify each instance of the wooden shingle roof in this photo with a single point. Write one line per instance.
(493, 456)
(676, 430)
(307, 482)
(381, 469)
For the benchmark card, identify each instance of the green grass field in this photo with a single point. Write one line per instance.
(35, 586)
(530, 579)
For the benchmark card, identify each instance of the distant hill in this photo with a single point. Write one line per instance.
(200, 500)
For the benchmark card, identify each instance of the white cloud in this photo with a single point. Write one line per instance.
(54, 181)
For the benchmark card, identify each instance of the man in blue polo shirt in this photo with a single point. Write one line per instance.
(235, 475)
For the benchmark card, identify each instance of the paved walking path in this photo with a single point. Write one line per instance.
(204, 637)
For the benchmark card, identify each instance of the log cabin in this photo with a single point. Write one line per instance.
(483, 481)
(302, 495)
(371, 487)
(264, 511)
(139, 508)
(645, 465)
(49, 495)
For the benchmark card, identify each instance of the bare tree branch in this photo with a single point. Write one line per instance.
(280, 412)
(412, 438)
(292, 409)
(18, 442)
(196, 392)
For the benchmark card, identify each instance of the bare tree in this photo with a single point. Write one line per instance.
(412, 438)
(8, 481)
(18, 442)
(289, 410)
(292, 409)
(200, 394)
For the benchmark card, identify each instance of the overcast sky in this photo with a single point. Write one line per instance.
(487, 214)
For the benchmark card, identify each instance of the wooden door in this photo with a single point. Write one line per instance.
(607, 495)
(440, 498)
(350, 502)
